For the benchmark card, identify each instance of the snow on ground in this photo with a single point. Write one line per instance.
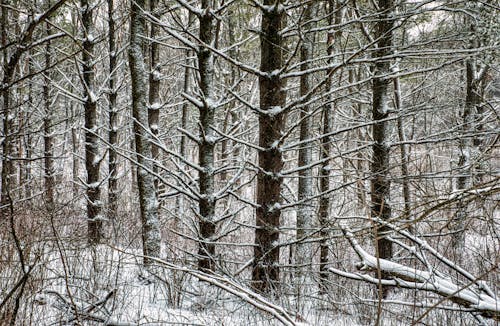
(136, 297)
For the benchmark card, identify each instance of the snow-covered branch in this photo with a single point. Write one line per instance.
(472, 295)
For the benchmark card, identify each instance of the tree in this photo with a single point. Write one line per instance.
(137, 53)
(265, 274)
(380, 183)
(154, 85)
(48, 142)
(92, 156)
(207, 139)
(113, 115)
(305, 212)
(472, 114)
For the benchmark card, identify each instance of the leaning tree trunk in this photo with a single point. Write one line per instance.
(206, 205)
(380, 183)
(265, 274)
(147, 195)
(92, 159)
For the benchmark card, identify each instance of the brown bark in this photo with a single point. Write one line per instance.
(92, 160)
(380, 183)
(113, 117)
(265, 275)
(8, 72)
(154, 88)
(207, 202)
(47, 132)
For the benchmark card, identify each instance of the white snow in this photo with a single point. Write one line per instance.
(155, 106)
(274, 110)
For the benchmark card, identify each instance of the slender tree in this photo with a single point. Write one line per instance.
(380, 182)
(8, 72)
(154, 85)
(48, 142)
(475, 75)
(113, 115)
(207, 139)
(334, 16)
(305, 212)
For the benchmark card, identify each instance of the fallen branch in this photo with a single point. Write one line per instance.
(471, 295)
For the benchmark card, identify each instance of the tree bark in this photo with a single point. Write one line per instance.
(92, 159)
(380, 182)
(48, 143)
(305, 212)
(151, 237)
(324, 173)
(8, 72)
(207, 202)
(113, 117)
(265, 275)
(154, 89)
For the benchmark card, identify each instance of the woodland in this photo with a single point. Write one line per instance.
(249, 162)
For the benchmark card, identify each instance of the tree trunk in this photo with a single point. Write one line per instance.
(113, 118)
(265, 275)
(92, 159)
(305, 212)
(206, 249)
(147, 195)
(470, 147)
(403, 151)
(380, 183)
(75, 154)
(47, 132)
(154, 89)
(324, 173)
(8, 71)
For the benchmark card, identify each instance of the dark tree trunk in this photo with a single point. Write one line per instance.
(207, 202)
(265, 273)
(154, 88)
(380, 183)
(48, 151)
(113, 117)
(8, 72)
(92, 159)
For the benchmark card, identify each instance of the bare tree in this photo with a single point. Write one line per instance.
(207, 139)
(265, 275)
(137, 54)
(154, 85)
(469, 146)
(92, 156)
(305, 211)
(48, 142)
(113, 115)
(380, 183)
